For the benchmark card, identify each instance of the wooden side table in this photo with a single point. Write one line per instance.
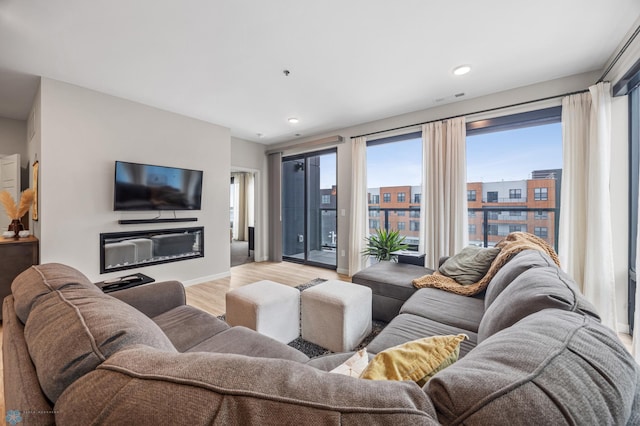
(16, 255)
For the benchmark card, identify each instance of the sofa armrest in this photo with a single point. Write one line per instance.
(153, 299)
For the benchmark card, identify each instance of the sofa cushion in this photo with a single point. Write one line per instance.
(40, 280)
(243, 341)
(146, 387)
(470, 264)
(417, 360)
(407, 327)
(72, 330)
(553, 367)
(187, 326)
(521, 262)
(534, 290)
(448, 308)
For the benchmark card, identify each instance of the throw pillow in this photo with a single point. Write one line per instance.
(418, 360)
(354, 366)
(470, 265)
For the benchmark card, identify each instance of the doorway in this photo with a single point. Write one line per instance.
(309, 219)
(241, 215)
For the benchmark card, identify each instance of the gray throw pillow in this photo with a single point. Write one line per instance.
(470, 265)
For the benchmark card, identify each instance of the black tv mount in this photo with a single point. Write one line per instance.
(157, 220)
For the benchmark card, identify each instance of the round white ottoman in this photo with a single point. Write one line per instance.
(336, 315)
(267, 307)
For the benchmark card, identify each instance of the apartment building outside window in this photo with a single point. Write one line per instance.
(414, 213)
(401, 197)
(541, 194)
(471, 195)
(326, 199)
(492, 229)
(492, 197)
(400, 212)
(374, 224)
(515, 194)
(374, 199)
(386, 197)
(414, 225)
(541, 214)
(400, 226)
(515, 228)
(472, 229)
(416, 198)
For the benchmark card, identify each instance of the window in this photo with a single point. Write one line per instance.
(471, 195)
(541, 214)
(472, 213)
(494, 215)
(374, 199)
(472, 229)
(374, 213)
(540, 194)
(414, 225)
(508, 155)
(374, 224)
(326, 199)
(400, 226)
(516, 213)
(515, 228)
(540, 231)
(394, 170)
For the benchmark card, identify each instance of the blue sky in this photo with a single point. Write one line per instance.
(492, 157)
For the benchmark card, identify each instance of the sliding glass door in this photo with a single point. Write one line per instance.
(309, 193)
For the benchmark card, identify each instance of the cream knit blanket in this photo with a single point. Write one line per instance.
(513, 244)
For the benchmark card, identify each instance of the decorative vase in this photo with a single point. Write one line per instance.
(16, 226)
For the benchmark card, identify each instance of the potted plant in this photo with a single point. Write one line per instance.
(381, 244)
(15, 212)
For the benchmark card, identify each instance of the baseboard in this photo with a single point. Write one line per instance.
(623, 328)
(262, 259)
(201, 280)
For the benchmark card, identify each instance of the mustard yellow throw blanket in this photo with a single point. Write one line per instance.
(513, 244)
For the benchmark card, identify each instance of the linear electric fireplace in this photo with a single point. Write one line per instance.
(127, 250)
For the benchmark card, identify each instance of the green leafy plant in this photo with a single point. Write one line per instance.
(381, 244)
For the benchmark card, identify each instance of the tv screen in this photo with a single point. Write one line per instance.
(147, 187)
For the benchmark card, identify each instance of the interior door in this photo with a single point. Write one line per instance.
(9, 181)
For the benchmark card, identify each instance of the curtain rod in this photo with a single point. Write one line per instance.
(473, 113)
(620, 53)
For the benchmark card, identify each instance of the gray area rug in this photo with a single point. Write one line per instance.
(311, 349)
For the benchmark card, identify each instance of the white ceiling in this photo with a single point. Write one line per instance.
(351, 61)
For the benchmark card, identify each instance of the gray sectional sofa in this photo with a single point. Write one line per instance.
(536, 354)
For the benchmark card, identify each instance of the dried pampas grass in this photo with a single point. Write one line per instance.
(17, 211)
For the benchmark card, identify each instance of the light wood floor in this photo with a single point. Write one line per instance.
(210, 296)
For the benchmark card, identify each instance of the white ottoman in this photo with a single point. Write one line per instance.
(267, 307)
(336, 315)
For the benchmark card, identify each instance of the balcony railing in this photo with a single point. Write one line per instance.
(487, 225)
(504, 200)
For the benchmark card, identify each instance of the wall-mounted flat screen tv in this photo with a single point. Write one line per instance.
(147, 187)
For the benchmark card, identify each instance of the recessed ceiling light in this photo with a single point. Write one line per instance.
(293, 120)
(461, 70)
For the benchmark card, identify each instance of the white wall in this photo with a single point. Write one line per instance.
(13, 139)
(249, 156)
(83, 133)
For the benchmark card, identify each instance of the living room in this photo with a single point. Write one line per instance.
(75, 111)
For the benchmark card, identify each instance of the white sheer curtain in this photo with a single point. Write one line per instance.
(359, 205)
(585, 240)
(443, 208)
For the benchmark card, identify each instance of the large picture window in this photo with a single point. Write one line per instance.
(515, 161)
(394, 175)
